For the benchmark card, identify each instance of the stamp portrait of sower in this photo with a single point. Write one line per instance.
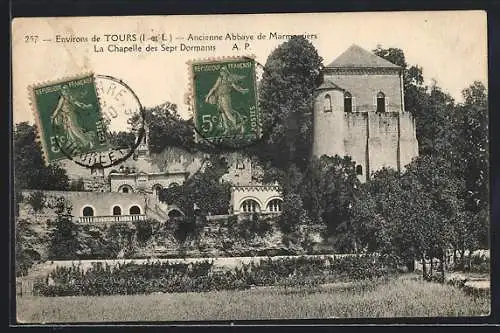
(231, 121)
(69, 117)
(225, 100)
(66, 115)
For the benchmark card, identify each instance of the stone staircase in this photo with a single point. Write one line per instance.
(162, 208)
(156, 213)
(157, 210)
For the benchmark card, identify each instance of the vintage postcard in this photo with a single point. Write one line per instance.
(251, 167)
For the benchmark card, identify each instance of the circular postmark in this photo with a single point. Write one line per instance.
(119, 126)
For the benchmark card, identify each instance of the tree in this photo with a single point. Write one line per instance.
(286, 95)
(438, 190)
(119, 241)
(189, 228)
(412, 76)
(166, 128)
(286, 99)
(121, 139)
(433, 124)
(64, 243)
(294, 216)
(410, 215)
(25, 253)
(37, 201)
(321, 194)
(205, 193)
(471, 121)
(470, 156)
(205, 189)
(328, 190)
(430, 106)
(30, 171)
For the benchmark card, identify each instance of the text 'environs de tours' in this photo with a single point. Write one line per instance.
(137, 39)
(132, 37)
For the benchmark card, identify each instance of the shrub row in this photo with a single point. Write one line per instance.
(132, 278)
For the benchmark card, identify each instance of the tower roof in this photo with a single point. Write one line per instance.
(327, 84)
(357, 57)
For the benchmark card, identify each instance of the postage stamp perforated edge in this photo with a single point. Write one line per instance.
(190, 98)
(40, 137)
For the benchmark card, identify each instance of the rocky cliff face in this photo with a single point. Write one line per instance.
(222, 236)
(96, 184)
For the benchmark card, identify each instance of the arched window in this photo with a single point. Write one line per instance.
(173, 184)
(327, 104)
(347, 102)
(117, 210)
(380, 102)
(88, 211)
(157, 189)
(174, 213)
(274, 205)
(125, 189)
(359, 170)
(135, 210)
(250, 206)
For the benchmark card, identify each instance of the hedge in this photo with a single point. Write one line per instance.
(132, 278)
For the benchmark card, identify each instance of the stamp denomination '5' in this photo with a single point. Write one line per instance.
(68, 115)
(225, 99)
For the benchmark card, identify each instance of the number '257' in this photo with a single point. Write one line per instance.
(30, 38)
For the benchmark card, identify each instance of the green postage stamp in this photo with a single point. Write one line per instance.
(225, 99)
(68, 117)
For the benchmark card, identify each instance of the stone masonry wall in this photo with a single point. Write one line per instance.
(373, 140)
(383, 140)
(364, 86)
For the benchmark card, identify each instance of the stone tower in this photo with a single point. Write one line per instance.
(359, 111)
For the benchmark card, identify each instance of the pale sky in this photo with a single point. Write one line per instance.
(451, 46)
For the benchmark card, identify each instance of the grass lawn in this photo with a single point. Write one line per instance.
(403, 297)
